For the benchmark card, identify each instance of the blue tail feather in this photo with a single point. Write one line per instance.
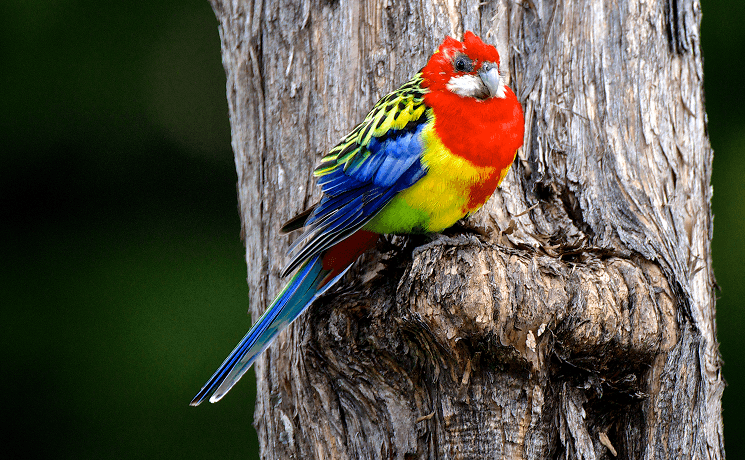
(298, 294)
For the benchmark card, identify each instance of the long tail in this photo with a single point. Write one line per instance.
(302, 289)
(314, 277)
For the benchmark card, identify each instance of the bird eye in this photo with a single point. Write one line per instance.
(462, 63)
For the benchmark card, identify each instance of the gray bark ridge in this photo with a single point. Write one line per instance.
(571, 318)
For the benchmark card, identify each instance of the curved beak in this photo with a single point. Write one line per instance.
(489, 74)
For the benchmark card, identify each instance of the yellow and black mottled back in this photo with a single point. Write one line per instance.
(399, 110)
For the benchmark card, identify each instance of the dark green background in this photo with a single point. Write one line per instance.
(123, 279)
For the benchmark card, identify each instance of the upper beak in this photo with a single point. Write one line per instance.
(489, 74)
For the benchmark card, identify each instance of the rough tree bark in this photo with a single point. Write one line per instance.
(573, 317)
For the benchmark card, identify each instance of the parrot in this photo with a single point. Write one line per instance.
(425, 156)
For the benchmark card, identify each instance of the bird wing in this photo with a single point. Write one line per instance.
(378, 159)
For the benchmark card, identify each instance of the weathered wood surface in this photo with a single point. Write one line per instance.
(573, 317)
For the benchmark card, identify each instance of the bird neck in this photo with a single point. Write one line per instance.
(487, 133)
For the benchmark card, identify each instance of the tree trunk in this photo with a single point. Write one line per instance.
(572, 317)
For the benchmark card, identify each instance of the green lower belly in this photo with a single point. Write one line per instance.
(419, 210)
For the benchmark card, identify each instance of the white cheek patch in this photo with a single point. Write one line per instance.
(500, 89)
(465, 85)
(489, 85)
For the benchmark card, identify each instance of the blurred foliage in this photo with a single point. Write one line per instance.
(723, 38)
(123, 274)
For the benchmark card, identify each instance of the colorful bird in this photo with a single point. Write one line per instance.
(427, 155)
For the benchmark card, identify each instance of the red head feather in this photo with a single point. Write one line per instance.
(485, 129)
(439, 70)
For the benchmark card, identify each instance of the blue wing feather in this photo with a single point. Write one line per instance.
(355, 193)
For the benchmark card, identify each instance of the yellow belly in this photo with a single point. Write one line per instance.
(440, 198)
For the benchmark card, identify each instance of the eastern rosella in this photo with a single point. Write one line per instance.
(425, 156)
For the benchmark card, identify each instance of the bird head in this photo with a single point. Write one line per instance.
(469, 69)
